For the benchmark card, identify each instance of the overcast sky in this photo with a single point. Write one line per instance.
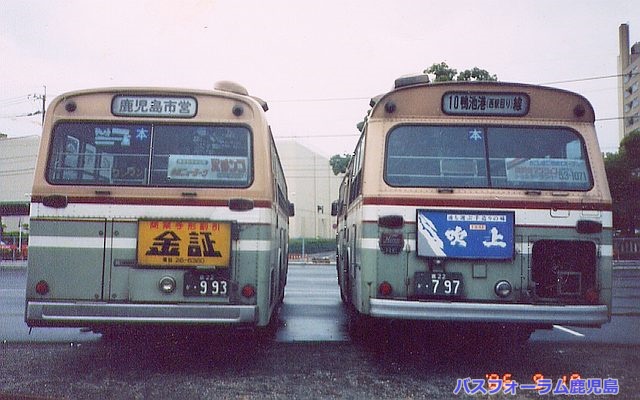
(316, 63)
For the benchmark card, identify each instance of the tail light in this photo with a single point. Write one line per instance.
(248, 291)
(42, 288)
(385, 289)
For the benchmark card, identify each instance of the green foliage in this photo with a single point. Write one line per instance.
(339, 163)
(312, 246)
(476, 74)
(14, 237)
(630, 148)
(444, 73)
(623, 174)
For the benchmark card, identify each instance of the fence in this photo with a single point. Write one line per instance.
(626, 248)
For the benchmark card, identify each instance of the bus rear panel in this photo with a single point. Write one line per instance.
(477, 203)
(157, 206)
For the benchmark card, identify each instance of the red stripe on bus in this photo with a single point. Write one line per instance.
(146, 201)
(477, 203)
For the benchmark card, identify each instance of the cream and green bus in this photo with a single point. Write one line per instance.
(477, 202)
(157, 206)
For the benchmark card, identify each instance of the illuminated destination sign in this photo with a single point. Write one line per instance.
(154, 106)
(485, 103)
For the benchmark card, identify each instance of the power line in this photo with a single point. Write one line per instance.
(593, 78)
(359, 98)
(609, 119)
(314, 136)
(17, 172)
(325, 99)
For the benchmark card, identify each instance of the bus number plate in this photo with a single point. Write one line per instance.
(438, 284)
(205, 284)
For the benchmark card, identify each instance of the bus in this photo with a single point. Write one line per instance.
(476, 204)
(157, 206)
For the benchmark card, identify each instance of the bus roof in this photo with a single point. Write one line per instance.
(413, 98)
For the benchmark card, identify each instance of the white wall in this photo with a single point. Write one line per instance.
(312, 187)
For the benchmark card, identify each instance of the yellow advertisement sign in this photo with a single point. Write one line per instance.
(184, 243)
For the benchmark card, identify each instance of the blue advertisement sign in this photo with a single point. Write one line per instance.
(465, 234)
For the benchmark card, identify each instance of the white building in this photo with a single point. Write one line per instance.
(629, 83)
(312, 187)
(17, 165)
(311, 182)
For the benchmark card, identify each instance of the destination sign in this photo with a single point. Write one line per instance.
(485, 104)
(154, 106)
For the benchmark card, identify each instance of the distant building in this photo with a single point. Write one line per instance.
(629, 77)
(311, 182)
(312, 187)
(17, 165)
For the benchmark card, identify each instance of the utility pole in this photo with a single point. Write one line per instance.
(42, 97)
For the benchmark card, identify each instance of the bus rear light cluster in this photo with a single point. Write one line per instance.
(42, 288)
(248, 291)
(385, 289)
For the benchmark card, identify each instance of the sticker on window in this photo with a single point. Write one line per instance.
(209, 168)
(546, 170)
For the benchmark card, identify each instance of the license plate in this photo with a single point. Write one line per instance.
(184, 243)
(205, 284)
(438, 284)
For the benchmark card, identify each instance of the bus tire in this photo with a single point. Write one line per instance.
(345, 282)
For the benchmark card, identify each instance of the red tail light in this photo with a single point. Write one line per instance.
(385, 289)
(42, 288)
(248, 291)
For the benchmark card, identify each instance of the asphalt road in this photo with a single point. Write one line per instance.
(312, 311)
(311, 355)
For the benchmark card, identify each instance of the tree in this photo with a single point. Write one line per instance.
(444, 73)
(339, 163)
(623, 174)
(476, 74)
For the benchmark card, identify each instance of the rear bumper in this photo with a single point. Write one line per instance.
(82, 314)
(577, 315)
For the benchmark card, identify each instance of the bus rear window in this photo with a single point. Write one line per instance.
(150, 155)
(486, 157)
